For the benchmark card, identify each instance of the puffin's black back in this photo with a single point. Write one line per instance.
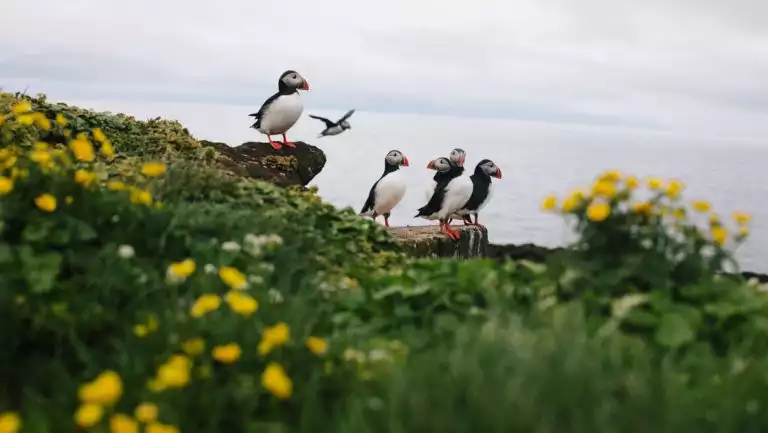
(442, 179)
(388, 168)
(481, 184)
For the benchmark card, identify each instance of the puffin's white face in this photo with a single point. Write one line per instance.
(457, 156)
(490, 168)
(440, 164)
(293, 80)
(396, 158)
(345, 125)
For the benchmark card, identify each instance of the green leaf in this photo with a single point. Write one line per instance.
(6, 253)
(674, 331)
(37, 230)
(40, 270)
(85, 232)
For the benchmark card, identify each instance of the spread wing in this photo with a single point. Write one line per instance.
(347, 115)
(327, 122)
(259, 114)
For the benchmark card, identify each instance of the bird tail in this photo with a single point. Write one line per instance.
(320, 135)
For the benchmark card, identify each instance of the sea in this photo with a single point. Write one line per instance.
(536, 159)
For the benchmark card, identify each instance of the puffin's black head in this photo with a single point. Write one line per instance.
(396, 158)
(345, 125)
(292, 80)
(488, 167)
(457, 156)
(441, 164)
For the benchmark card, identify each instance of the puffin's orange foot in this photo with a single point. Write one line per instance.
(287, 143)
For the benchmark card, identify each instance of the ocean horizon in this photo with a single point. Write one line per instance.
(537, 158)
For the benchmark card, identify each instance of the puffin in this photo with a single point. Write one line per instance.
(482, 190)
(334, 128)
(388, 190)
(453, 190)
(457, 157)
(280, 111)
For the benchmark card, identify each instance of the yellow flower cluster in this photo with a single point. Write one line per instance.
(612, 193)
(144, 329)
(274, 336)
(105, 390)
(10, 422)
(175, 373)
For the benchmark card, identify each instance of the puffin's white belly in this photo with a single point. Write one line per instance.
(487, 199)
(457, 192)
(333, 130)
(281, 114)
(430, 190)
(389, 191)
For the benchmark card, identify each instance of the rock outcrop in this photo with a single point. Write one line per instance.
(428, 241)
(288, 166)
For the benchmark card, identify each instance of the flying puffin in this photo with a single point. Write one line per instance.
(457, 157)
(334, 128)
(482, 191)
(453, 190)
(388, 190)
(281, 111)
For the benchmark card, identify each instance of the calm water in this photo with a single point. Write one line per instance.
(536, 159)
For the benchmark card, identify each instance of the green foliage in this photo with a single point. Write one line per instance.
(235, 305)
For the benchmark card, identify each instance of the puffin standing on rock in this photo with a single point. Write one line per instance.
(280, 111)
(482, 190)
(334, 128)
(386, 192)
(453, 190)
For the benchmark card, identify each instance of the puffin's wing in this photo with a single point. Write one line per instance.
(259, 114)
(327, 122)
(435, 201)
(370, 202)
(346, 116)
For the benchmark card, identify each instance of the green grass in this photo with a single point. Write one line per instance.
(631, 330)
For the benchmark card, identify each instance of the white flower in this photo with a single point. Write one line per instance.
(275, 296)
(230, 246)
(256, 280)
(209, 269)
(125, 251)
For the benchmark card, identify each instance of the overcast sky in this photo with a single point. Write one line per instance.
(681, 65)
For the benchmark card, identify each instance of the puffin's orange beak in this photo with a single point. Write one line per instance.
(305, 86)
(431, 165)
(405, 161)
(498, 173)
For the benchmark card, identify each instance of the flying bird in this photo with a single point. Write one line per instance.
(334, 128)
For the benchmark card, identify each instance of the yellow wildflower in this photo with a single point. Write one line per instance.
(655, 183)
(46, 202)
(549, 203)
(40, 145)
(242, 303)
(227, 354)
(743, 231)
(115, 185)
(598, 211)
(674, 188)
(21, 107)
(141, 330)
(88, 415)
(276, 381)
(742, 217)
(26, 119)
(122, 423)
(233, 278)
(643, 207)
(204, 305)
(140, 196)
(98, 135)
(632, 182)
(317, 345)
(610, 176)
(604, 188)
(2, 119)
(84, 177)
(719, 234)
(67, 133)
(40, 156)
(175, 372)
(147, 412)
(61, 120)
(82, 149)
(6, 185)
(10, 162)
(193, 346)
(572, 201)
(10, 422)
(157, 427)
(106, 388)
(107, 149)
(679, 213)
(701, 206)
(41, 121)
(714, 219)
(274, 336)
(153, 169)
(181, 270)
